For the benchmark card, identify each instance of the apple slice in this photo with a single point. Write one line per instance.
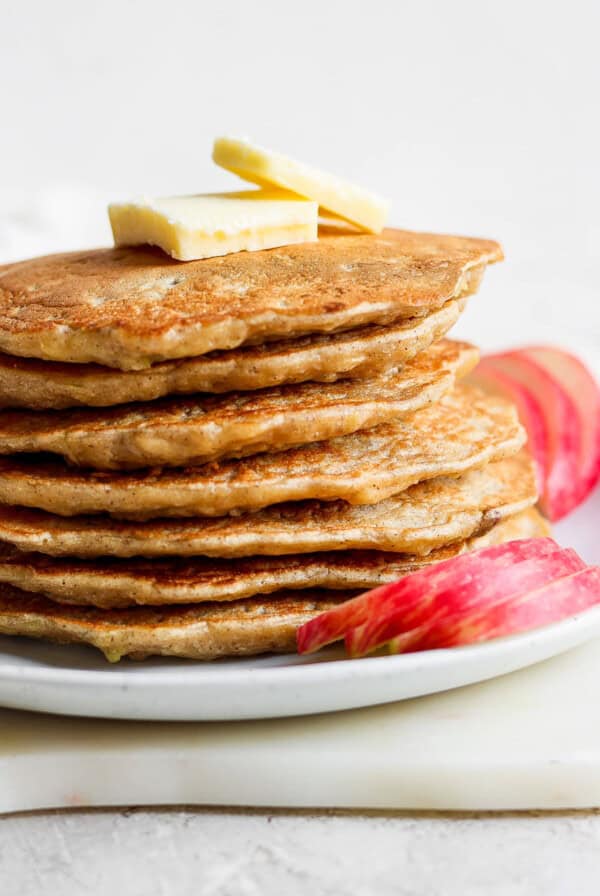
(411, 591)
(531, 414)
(558, 401)
(434, 632)
(550, 603)
(481, 589)
(584, 393)
(563, 431)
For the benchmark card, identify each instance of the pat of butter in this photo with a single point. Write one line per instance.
(266, 168)
(190, 227)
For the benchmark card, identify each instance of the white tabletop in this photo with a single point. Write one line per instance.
(225, 853)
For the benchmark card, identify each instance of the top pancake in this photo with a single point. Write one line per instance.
(128, 308)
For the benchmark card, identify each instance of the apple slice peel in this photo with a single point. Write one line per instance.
(332, 625)
(584, 392)
(430, 621)
(561, 428)
(551, 603)
(496, 591)
(558, 401)
(494, 379)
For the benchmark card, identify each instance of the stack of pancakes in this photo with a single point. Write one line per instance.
(197, 458)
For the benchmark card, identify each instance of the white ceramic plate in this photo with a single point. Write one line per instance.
(77, 681)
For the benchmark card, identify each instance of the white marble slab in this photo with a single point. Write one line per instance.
(530, 740)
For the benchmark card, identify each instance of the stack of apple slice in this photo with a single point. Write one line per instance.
(558, 401)
(485, 594)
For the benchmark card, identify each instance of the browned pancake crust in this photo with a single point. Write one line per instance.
(130, 307)
(465, 429)
(176, 432)
(200, 632)
(111, 582)
(427, 516)
(364, 352)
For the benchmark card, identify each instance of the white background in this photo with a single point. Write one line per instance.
(473, 117)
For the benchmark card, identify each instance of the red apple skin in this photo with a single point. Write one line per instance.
(553, 602)
(486, 586)
(408, 592)
(531, 415)
(584, 392)
(435, 634)
(561, 489)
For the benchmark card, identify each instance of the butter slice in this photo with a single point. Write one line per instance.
(265, 168)
(190, 227)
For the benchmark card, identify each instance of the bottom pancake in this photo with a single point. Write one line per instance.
(124, 583)
(204, 631)
(199, 632)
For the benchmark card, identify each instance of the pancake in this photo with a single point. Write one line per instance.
(465, 429)
(114, 583)
(364, 352)
(200, 632)
(180, 431)
(130, 307)
(417, 521)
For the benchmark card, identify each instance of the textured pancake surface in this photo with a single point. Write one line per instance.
(465, 429)
(200, 631)
(364, 352)
(122, 583)
(128, 307)
(425, 517)
(180, 431)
